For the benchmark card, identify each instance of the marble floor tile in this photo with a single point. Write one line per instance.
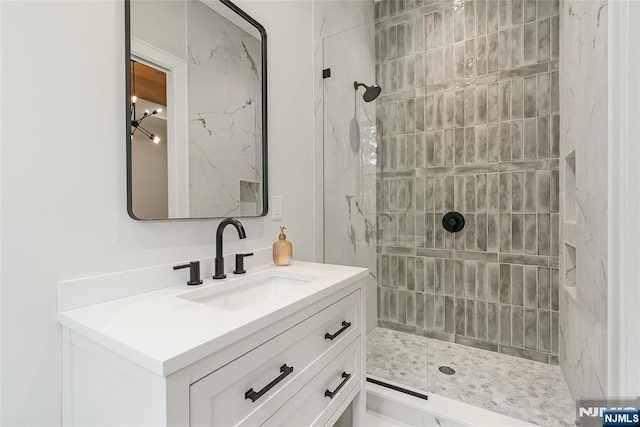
(523, 389)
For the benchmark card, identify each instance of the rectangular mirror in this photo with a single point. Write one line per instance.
(197, 110)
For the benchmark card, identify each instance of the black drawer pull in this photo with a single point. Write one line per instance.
(330, 394)
(345, 326)
(286, 370)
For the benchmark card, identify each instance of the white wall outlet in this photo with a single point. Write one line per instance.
(276, 212)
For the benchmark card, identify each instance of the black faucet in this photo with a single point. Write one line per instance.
(219, 262)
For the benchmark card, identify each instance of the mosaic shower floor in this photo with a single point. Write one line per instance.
(530, 391)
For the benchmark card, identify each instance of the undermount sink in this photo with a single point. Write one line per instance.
(245, 292)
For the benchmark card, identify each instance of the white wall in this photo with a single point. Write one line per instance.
(63, 189)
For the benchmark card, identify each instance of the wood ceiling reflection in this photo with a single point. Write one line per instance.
(148, 83)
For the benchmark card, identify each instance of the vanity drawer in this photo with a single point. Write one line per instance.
(250, 389)
(321, 397)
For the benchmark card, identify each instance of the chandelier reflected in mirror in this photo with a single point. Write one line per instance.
(153, 85)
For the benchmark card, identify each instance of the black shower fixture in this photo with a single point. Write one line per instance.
(370, 93)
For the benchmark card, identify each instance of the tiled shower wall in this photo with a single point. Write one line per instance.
(468, 121)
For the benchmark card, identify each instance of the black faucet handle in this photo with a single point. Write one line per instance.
(240, 263)
(194, 272)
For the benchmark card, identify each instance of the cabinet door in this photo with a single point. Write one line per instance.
(250, 389)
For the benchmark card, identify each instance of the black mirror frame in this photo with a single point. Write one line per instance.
(265, 156)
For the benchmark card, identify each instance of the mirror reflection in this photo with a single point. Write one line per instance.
(197, 144)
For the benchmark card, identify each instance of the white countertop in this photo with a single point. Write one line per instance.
(163, 332)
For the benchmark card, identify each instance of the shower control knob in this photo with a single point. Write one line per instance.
(453, 222)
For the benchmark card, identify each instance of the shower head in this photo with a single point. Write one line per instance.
(370, 93)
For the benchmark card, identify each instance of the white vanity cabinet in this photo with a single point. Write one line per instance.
(304, 368)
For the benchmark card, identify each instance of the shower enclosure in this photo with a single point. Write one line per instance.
(468, 122)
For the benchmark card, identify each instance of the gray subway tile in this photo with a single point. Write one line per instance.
(516, 140)
(470, 280)
(492, 16)
(481, 320)
(439, 312)
(421, 321)
(544, 234)
(492, 52)
(544, 94)
(517, 99)
(504, 14)
(555, 303)
(555, 92)
(470, 318)
(459, 316)
(555, 136)
(530, 98)
(517, 285)
(470, 230)
(530, 43)
(517, 45)
(493, 232)
(517, 326)
(544, 288)
(517, 191)
(505, 192)
(524, 259)
(504, 50)
(555, 37)
(524, 353)
(492, 103)
(449, 315)
(505, 233)
(544, 331)
(554, 202)
(459, 278)
(393, 305)
(530, 191)
(555, 332)
(493, 282)
(505, 324)
(527, 70)
(477, 343)
(493, 142)
(481, 17)
(544, 9)
(529, 131)
(449, 277)
(481, 232)
(531, 328)
(481, 281)
(402, 307)
(529, 11)
(411, 307)
(517, 234)
(505, 142)
(481, 145)
(458, 24)
(505, 283)
(504, 102)
(493, 322)
(530, 286)
(469, 20)
(517, 12)
(544, 40)
(526, 165)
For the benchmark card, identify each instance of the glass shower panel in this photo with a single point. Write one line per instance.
(361, 225)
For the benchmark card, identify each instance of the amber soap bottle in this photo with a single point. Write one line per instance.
(282, 250)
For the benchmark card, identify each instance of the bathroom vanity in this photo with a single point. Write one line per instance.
(277, 346)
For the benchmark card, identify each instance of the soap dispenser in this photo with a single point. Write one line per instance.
(282, 250)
